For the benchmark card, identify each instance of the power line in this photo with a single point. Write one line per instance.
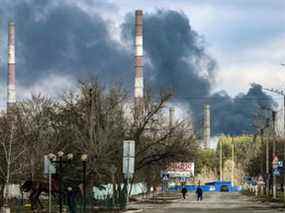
(221, 97)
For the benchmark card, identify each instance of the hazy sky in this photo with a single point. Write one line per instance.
(197, 47)
(246, 37)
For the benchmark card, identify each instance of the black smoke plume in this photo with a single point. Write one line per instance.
(178, 60)
(59, 38)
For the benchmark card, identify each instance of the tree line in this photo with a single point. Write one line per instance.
(95, 121)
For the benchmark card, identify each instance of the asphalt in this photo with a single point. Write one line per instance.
(212, 203)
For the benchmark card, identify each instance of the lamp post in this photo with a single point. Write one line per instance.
(60, 155)
(84, 159)
(233, 161)
(274, 153)
(52, 158)
(221, 158)
(266, 154)
(267, 157)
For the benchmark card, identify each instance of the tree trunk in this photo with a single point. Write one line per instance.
(2, 186)
(32, 164)
(131, 185)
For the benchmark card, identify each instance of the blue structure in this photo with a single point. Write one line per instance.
(216, 186)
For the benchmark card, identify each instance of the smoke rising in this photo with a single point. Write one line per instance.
(178, 59)
(59, 38)
(175, 53)
(237, 115)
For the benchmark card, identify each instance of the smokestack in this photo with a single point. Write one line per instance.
(171, 116)
(1, 59)
(0, 46)
(11, 66)
(139, 60)
(207, 131)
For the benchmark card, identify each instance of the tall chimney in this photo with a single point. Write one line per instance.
(1, 59)
(11, 66)
(171, 116)
(207, 124)
(139, 60)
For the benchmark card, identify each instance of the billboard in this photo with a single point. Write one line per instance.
(181, 169)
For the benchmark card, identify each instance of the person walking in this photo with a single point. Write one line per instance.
(71, 197)
(199, 193)
(184, 192)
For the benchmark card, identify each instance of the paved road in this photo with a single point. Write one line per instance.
(215, 203)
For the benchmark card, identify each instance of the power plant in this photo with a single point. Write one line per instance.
(139, 86)
(11, 84)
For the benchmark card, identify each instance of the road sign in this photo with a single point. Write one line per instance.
(276, 172)
(128, 158)
(49, 168)
(165, 177)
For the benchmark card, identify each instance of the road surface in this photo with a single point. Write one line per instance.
(214, 203)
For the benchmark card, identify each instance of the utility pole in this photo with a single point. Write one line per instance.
(283, 146)
(267, 167)
(262, 159)
(1, 56)
(233, 161)
(274, 152)
(221, 159)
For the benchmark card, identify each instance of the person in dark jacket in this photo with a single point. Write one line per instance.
(71, 197)
(199, 193)
(184, 192)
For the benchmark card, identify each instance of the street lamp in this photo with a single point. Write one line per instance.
(84, 159)
(70, 156)
(60, 155)
(53, 158)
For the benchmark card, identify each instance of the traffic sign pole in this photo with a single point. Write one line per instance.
(49, 189)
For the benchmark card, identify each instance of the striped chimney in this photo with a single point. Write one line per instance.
(207, 125)
(139, 59)
(171, 116)
(11, 66)
(1, 47)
